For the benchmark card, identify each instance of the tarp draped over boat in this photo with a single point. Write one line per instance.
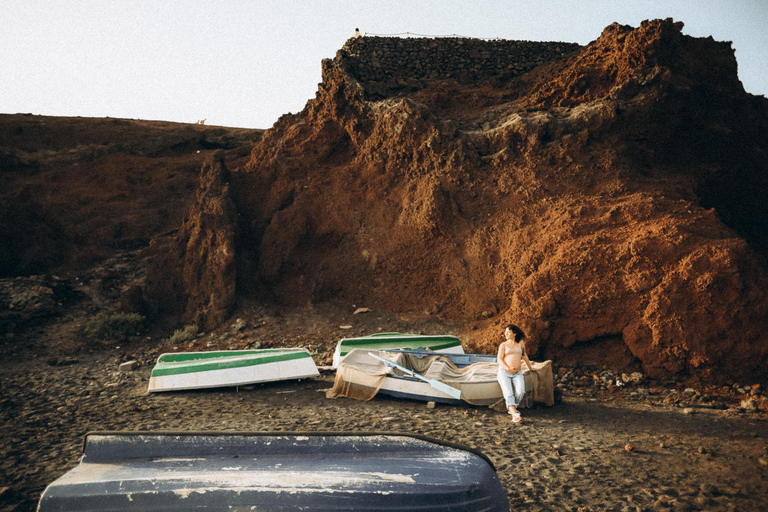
(360, 376)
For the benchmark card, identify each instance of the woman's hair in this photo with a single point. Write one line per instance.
(519, 334)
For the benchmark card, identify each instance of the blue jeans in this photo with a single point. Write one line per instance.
(512, 386)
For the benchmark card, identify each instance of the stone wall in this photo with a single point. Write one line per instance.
(385, 65)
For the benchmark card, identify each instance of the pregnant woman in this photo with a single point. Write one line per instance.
(510, 376)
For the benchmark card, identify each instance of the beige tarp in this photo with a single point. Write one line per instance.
(360, 376)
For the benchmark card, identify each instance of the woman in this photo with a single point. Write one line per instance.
(510, 376)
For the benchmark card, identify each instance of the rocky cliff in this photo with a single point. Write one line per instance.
(74, 190)
(608, 201)
(192, 275)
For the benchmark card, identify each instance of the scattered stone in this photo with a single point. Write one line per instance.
(748, 405)
(763, 461)
(361, 310)
(431, 405)
(630, 448)
(635, 378)
(128, 366)
(239, 325)
(701, 501)
(345, 327)
(689, 410)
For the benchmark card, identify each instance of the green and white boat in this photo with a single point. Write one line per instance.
(199, 370)
(444, 343)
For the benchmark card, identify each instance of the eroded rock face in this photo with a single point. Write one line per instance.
(604, 202)
(191, 276)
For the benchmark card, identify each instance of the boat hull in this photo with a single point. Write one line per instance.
(200, 370)
(480, 393)
(486, 391)
(423, 375)
(444, 344)
(274, 472)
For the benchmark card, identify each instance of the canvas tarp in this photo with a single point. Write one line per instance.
(360, 376)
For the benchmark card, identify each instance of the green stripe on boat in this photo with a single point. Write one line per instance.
(397, 340)
(192, 356)
(190, 366)
(434, 343)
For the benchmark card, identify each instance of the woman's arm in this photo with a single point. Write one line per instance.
(525, 356)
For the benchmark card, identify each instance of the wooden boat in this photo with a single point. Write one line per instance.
(286, 471)
(442, 343)
(362, 374)
(198, 370)
(479, 388)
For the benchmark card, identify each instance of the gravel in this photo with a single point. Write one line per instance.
(572, 456)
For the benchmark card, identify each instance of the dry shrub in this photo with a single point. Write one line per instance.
(117, 325)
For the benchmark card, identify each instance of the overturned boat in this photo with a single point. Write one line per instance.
(427, 376)
(220, 368)
(145, 471)
(443, 343)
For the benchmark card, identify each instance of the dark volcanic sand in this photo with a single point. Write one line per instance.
(568, 457)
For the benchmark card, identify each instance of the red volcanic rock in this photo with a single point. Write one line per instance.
(191, 275)
(608, 202)
(623, 60)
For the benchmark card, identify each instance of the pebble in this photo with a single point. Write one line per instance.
(748, 405)
(239, 325)
(128, 366)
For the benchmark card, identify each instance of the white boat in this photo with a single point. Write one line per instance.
(443, 343)
(199, 370)
(362, 374)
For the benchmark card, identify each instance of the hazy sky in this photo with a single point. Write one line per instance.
(245, 62)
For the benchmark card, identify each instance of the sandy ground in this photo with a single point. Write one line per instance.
(571, 456)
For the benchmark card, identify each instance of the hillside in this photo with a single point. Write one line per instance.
(74, 190)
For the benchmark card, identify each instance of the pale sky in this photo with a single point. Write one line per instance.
(243, 63)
